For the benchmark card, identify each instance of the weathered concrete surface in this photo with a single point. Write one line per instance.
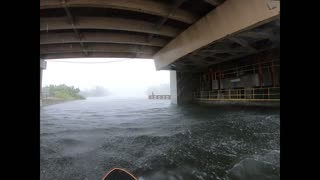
(106, 23)
(100, 37)
(141, 22)
(231, 17)
(95, 55)
(97, 47)
(182, 86)
(148, 7)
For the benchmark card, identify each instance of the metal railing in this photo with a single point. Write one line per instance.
(244, 94)
(252, 68)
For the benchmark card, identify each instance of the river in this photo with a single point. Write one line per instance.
(82, 140)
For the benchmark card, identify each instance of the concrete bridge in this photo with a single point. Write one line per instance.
(215, 49)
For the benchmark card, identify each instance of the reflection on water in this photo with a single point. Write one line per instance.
(157, 140)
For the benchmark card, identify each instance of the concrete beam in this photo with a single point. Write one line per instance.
(106, 23)
(141, 6)
(261, 35)
(95, 55)
(100, 37)
(216, 51)
(72, 22)
(242, 43)
(67, 48)
(214, 2)
(174, 7)
(218, 61)
(231, 17)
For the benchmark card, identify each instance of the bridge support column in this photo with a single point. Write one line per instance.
(43, 65)
(183, 86)
(173, 87)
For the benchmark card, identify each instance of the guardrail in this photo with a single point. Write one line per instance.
(244, 94)
(252, 68)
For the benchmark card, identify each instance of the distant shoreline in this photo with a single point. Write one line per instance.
(48, 102)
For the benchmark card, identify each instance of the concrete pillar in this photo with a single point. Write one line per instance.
(182, 86)
(173, 87)
(43, 65)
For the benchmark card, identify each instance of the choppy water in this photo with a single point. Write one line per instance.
(157, 140)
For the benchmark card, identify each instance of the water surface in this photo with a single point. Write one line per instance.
(154, 139)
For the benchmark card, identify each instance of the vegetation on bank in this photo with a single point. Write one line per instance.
(62, 92)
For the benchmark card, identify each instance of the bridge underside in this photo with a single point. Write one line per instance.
(115, 28)
(249, 42)
(242, 68)
(216, 50)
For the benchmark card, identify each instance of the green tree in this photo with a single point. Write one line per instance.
(62, 91)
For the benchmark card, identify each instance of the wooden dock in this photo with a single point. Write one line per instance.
(159, 96)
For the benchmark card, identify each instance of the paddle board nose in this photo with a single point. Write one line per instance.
(119, 174)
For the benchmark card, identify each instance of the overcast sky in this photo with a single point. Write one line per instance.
(128, 77)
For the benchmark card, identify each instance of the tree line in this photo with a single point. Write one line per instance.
(62, 91)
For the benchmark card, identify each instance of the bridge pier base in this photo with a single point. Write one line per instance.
(182, 86)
